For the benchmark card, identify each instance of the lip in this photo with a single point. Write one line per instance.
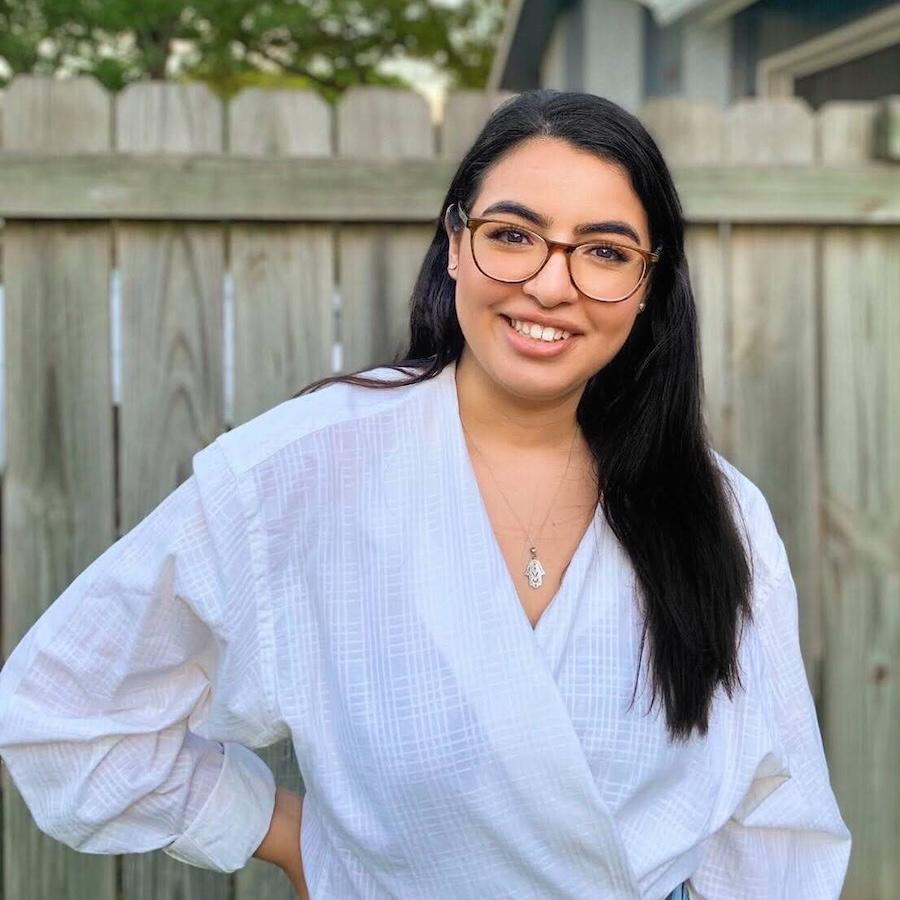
(534, 348)
(543, 320)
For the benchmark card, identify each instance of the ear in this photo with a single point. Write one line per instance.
(454, 236)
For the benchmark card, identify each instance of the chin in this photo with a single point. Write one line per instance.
(534, 380)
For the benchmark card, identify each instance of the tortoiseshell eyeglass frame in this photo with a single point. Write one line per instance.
(473, 223)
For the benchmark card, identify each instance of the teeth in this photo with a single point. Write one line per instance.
(539, 332)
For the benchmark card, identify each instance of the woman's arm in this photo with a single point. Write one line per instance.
(281, 845)
(791, 844)
(129, 710)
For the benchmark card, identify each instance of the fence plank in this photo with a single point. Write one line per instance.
(172, 374)
(689, 133)
(59, 117)
(284, 329)
(861, 558)
(846, 131)
(58, 493)
(859, 568)
(266, 123)
(706, 248)
(378, 264)
(465, 113)
(860, 563)
(774, 361)
(767, 130)
(283, 273)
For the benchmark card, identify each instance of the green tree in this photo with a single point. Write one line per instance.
(328, 45)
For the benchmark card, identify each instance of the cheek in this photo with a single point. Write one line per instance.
(616, 321)
(475, 292)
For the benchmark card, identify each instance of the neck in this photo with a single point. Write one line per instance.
(496, 418)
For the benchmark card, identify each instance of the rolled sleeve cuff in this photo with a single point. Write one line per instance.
(234, 819)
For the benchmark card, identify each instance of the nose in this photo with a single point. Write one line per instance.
(553, 282)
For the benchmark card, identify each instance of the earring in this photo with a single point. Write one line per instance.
(641, 307)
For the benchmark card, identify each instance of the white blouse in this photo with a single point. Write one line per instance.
(328, 573)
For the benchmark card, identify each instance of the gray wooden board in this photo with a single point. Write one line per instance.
(378, 264)
(344, 189)
(172, 376)
(284, 328)
(860, 562)
(58, 495)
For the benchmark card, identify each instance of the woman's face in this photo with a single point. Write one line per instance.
(566, 187)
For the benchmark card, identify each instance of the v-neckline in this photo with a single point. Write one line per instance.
(473, 488)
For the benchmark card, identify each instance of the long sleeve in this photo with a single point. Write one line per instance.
(128, 709)
(786, 839)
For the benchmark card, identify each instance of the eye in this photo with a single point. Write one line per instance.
(498, 235)
(608, 252)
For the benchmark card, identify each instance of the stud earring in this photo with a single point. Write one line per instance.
(641, 307)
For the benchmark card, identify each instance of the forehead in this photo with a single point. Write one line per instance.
(563, 183)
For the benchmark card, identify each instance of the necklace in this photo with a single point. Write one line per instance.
(534, 571)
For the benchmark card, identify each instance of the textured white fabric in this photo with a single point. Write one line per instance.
(328, 573)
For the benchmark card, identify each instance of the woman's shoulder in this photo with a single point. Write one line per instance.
(256, 440)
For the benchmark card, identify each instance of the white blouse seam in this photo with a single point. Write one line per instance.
(249, 500)
(775, 574)
(351, 415)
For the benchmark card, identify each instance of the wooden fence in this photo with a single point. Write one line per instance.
(794, 247)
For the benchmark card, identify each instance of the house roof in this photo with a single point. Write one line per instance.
(667, 11)
(526, 32)
(529, 25)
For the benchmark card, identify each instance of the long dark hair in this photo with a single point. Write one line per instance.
(660, 488)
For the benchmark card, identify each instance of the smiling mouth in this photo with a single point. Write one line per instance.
(539, 339)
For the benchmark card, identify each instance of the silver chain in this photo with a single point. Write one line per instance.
(535, 576)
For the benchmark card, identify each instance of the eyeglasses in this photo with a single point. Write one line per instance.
(608, 271)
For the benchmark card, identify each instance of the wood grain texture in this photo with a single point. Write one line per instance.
(58, 497)
(688, 132)
(860, 562)
(384, 123)
(172, 374)
(323, 189)
(378, 264)
(707, 249)
(775, 364)
(793, 242)
(846, 131)
(285, 322)
(284, 328)
(56, 117)
(266, 123)
(465, 113)
(763, 130)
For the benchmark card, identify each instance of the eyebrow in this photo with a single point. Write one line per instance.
(518, 209)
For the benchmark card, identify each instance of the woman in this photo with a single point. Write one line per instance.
(531, 637)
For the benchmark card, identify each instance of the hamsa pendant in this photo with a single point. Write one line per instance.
(534, 570)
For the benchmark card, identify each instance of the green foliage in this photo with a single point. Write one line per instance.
(327, 45)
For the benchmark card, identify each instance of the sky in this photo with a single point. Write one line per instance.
(425, 78)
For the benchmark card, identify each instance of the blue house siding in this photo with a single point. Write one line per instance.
(770, 26)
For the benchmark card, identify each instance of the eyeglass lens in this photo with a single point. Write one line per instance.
(602, 270)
